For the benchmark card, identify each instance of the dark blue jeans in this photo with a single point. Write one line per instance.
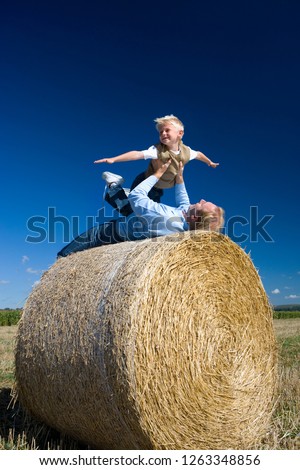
(107, 233)
(104, 234)
(155, 193)
(120, 202)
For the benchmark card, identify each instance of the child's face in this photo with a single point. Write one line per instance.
(169, 134)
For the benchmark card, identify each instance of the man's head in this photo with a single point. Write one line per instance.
(205, 216)
(170, 130)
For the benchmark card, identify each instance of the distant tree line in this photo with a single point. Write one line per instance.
(287, 308)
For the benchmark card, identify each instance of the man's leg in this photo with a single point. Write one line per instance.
(117, 198)
(115, 194)
(104, 234)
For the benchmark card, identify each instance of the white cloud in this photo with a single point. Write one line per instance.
(25, 259)
(35, 283)
(276, 291)
(3, 281)
(32, 271)
(292, 296)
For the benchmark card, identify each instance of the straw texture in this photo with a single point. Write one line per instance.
(160, 344)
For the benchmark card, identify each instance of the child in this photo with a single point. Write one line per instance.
(171, 131)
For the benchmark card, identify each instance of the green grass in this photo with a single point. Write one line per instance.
(285, 314)
(20, 431)
(6, 377)
(290, 350)
(9, 317)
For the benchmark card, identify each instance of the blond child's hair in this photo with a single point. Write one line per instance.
(169, 118)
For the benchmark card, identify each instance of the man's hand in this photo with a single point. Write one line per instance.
(105, 160)
(179, 176)
(160, 171)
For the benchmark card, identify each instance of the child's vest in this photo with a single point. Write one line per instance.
(169, 177)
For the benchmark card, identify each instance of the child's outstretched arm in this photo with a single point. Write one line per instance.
(125, 157)
(205, 159)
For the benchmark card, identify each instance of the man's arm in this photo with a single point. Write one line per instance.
(141, 204)
(125, 157)
(181, 196)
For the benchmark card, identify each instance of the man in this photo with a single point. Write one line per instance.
(146, 218)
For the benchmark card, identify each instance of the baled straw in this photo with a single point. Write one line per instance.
(159, 344)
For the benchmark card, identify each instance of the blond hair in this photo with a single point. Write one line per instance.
(171, 119)
(207, 220)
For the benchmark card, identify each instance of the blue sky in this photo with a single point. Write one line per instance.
(83, 80)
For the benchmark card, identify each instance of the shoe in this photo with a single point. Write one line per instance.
(112, 178)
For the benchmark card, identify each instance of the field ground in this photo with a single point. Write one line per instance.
(18, 431)
(287, 327)
(7, 336)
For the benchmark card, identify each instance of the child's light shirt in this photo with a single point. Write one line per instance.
(151, 153)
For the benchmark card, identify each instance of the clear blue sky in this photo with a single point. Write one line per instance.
(81, 80)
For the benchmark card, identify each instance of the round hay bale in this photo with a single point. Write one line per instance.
(166, 343)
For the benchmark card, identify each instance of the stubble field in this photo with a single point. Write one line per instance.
(19, 431)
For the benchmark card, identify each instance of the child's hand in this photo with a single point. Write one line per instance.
(105, 160)
(212, 164)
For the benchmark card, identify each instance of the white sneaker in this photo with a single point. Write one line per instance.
(112, 178)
